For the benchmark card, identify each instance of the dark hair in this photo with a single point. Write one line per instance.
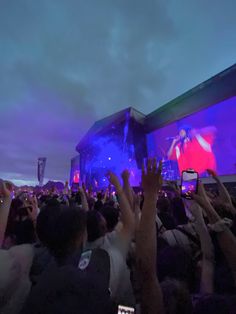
(58, 228)
(98, 205)
(20, 230)
(95, 228)
(13, 213)
(163, 204)
(212, 304)
(176, 297)
(175, 263)
(187, 129)
(111, 215)
(179, 211)
(99, 196)
(24, 232)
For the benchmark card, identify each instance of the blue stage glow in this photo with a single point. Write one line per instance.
(109, 155)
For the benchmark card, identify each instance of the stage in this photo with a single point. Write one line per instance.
(205, 118)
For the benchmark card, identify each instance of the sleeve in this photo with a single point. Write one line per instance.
(209, 138)
(116, 240)
(173, 155)
(205, 142)
(208, 134)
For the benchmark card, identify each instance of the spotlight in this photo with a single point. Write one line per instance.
(109, 158)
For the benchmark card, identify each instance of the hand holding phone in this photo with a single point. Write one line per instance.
(189, 183)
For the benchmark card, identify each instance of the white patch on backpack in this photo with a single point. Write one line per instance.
(85, 260)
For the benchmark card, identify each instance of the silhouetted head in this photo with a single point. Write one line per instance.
(96, 225)
(61, 229)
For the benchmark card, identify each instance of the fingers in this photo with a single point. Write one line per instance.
(197, 198)
(154, 164)
(151, 166)
(143, 168)
(201, 189)
(160, 167)
(211, 172)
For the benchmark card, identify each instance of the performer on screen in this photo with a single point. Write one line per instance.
(193, 149)
(76, 176)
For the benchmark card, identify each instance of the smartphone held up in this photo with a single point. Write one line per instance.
(189, 183)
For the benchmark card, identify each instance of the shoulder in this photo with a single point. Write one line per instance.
(60, 284)
(120, 242)
(9, 271)
(112, 236)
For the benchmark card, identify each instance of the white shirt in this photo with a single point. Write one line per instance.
(117, 248)
(14, 277)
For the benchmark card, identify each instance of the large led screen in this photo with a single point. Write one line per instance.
(203, 140)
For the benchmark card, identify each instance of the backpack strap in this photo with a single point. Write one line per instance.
(96, 263)
(189, 236)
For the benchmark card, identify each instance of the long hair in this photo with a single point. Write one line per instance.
(187, 129)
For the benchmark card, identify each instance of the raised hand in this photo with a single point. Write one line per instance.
(125, 175)
(201, 197)
(212, 173)
(83, 186)
(224, 196)
(174, 186)
(114, 180)
(82, 191)
(195, 209)
(32, 209)
(151, 176)
(34, 202)
(5, 189)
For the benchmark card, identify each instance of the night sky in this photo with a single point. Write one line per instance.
(66, 63)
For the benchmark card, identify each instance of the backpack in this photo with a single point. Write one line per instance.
(80, 286)
(96, 262)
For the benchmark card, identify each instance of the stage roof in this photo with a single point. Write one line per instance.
(103, 125)
(210, 92)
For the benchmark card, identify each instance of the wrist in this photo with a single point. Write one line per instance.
(150, 194)
(151, 198)
(119, 190)
(125, 180)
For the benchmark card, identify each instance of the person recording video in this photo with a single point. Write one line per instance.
(192, 149)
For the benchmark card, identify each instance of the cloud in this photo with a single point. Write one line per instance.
(66, 63)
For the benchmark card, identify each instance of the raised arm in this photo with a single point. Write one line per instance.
(5, 204)
(226, 238)
(207, 130)
(127, 188)
(137, 212)
(207, 269)
(171, 149)
(223, 193)
(84, 201)
(151, 295)
(127, 216)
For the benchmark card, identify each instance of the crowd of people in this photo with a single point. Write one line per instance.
(80, 251)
